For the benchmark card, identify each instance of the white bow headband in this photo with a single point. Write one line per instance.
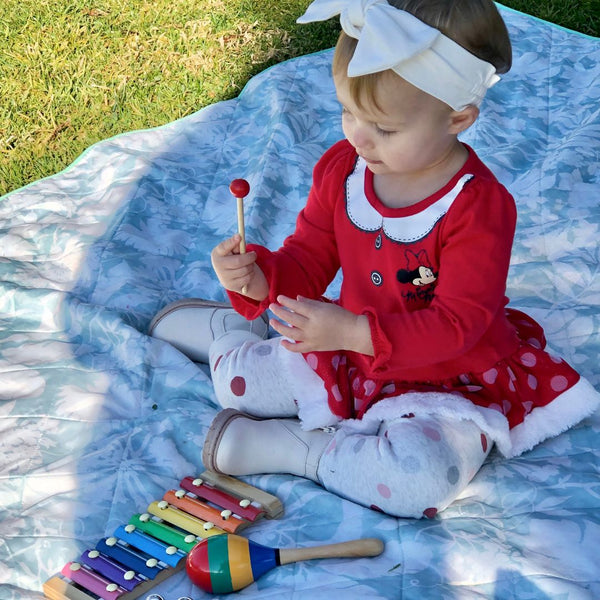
(390, 38)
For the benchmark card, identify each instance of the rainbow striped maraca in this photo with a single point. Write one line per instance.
(226, 563)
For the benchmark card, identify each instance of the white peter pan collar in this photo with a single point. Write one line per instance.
(405, 229)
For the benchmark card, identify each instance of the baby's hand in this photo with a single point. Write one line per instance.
(237, 271)
(317, 326)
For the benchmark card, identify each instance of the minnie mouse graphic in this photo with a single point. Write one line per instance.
(418, 271)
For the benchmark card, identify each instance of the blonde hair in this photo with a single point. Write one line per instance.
(474, 24)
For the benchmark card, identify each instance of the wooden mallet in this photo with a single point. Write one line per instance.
(227, 563)
(240, 188)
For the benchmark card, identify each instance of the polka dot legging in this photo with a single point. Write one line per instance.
(413, 466)
(409, 466)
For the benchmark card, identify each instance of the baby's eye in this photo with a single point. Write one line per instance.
(384, 132)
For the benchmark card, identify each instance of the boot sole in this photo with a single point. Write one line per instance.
(215, 433)
(184, 303)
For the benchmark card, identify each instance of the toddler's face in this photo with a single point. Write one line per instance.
(408, 133)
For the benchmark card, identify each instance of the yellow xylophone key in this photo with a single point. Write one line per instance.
(163, 510)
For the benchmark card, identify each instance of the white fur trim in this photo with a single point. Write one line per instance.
(450, 406)
(544, 422)
(573, 405)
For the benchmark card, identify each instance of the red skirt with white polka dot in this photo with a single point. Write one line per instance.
(515, 386)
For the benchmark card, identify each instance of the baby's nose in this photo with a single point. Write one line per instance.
(362, 138)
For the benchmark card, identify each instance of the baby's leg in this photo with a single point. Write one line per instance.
(413, 467)
(249, 374)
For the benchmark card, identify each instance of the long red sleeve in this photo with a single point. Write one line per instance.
(450, 321)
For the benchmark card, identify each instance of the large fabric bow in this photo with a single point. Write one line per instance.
(386, 36)
(391, 38)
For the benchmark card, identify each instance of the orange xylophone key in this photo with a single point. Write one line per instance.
(221, 518)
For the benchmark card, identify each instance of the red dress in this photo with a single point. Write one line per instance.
(431, 278)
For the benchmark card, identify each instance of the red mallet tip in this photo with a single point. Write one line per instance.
(240, 188)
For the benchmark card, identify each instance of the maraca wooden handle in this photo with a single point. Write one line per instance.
(352, 549)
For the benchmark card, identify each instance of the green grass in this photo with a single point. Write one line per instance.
(578, 15)
(73, 72)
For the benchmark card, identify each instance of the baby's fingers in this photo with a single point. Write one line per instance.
(232, 261)
(226, 247)
(288, 332)
(287, 315)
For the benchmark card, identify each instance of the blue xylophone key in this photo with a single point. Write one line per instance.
(112, 570)
(137, 561)
(165, 553)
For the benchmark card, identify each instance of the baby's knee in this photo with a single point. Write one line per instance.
(435, 463)
(422, 497)
(226, 400)
(253, 395)
(410, 468)
(420, 486)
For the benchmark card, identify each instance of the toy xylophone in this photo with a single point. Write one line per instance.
(154, 545)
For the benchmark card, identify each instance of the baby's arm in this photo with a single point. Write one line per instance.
(238, 271)
(313, 325)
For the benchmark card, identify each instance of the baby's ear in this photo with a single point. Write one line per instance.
(461, 120)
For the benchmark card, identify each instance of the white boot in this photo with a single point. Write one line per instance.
(239, 444)
(191, 325)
